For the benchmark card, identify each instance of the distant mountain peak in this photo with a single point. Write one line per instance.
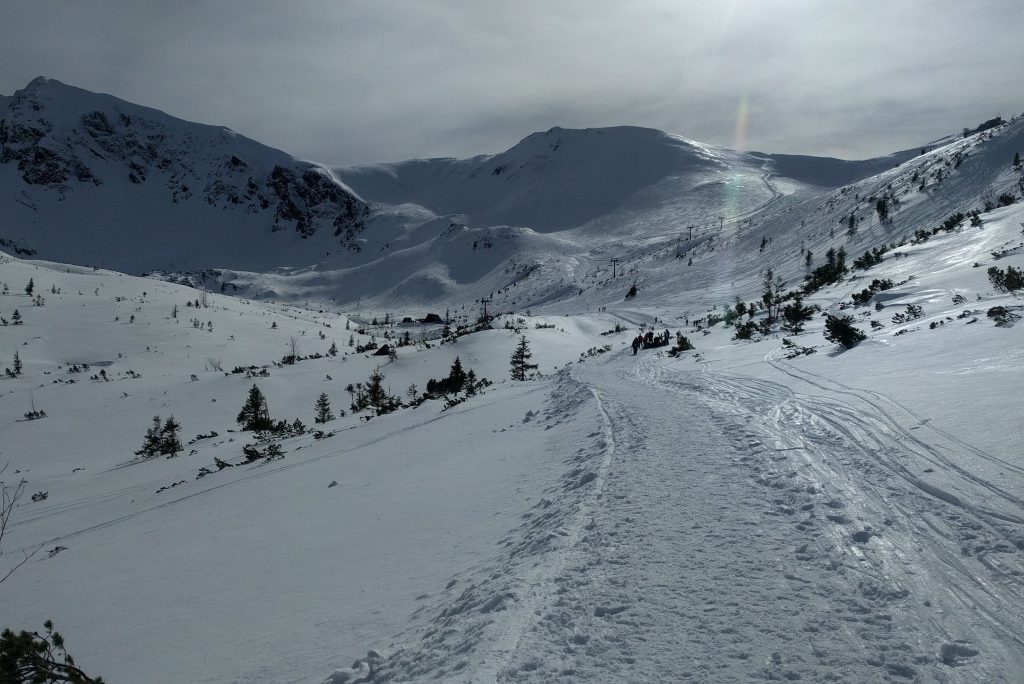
(64, 147)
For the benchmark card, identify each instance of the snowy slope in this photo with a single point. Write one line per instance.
(89, 178)
(570, 528)
(747, 511)
(285, 574)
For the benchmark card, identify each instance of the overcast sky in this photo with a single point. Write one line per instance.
(383, 80)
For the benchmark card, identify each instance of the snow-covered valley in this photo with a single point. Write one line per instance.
(766, 505)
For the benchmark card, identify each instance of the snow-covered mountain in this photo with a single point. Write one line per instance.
(565, 178)
(89, 178)
(767, 505)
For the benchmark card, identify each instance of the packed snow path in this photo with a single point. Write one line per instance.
(744, 530)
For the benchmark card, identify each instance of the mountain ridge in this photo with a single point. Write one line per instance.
(67, 154)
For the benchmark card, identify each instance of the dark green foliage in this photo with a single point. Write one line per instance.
(877, 285)
(839, 329)
(30, 657)
(458, 380)
(871, 257)
(682, 344)
(632, 291)
(795, 315)
(520, 361)
(745, 330)
(376, 395)
(333, 351)
(161, 439)
(264, 448)
(255, 415)
(30, 287)
(912, 313)
(1010, 280)
(1016, 160)
(1003, 316)
(976, 221)
(323, 409)
(953, 222)
(772, 296)
(828, 273)
(792, 350)
(373, 395)
(882, 207)
(453, 384)
(1006, 199)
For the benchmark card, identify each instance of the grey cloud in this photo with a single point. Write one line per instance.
(384, 80)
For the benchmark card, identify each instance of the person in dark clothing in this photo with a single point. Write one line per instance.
(636, 344)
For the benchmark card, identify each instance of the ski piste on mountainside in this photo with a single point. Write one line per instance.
(766, 505)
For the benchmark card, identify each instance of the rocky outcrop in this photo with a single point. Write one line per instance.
(65, 140)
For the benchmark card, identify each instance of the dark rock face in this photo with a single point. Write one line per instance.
(75, 149)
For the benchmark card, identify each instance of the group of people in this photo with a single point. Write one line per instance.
(649, 340)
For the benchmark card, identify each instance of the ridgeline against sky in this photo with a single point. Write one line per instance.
(382, 81)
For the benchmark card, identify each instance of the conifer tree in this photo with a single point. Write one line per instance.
(17, 363)
(151, 443)
(161, 438)
(520, 362)
(795, 315)
(376, 395)
(16, 317)
(457, 376)
(323, 409)
(333, 351)
(839, 329)
(169, 442)
(35, 657)
(30, 287)
(255, 415)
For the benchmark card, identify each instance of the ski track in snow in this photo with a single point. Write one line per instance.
(786, 538)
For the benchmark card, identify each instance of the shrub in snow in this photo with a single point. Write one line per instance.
(796, 315)
(877, 285)
(161, 439)
(830, 272)
(793, 350)
(912, 313)
(1010, 280)
(682, 344)
(745, 330)
(1003, 316)
(34, 657)
(840, 330)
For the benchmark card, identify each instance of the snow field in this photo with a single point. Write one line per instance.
(257, 572)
